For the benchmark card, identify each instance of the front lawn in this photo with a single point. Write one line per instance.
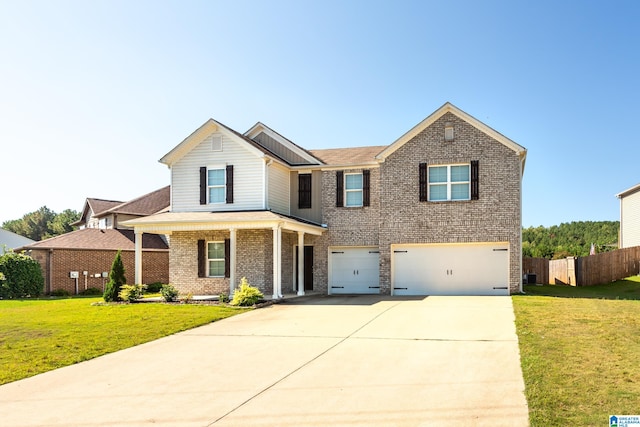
(40, 335)
(579, 350)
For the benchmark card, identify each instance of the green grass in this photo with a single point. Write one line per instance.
(40, 335)
(580, 352)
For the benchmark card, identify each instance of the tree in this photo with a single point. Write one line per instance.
(569, 239)
(116, 280)
(43, 223)
(20, 276)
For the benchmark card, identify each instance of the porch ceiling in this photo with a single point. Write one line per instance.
(168, 222)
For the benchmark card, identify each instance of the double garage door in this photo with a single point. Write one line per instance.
(466, 269)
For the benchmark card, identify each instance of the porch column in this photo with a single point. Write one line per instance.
(232, 261)
(138, 257)
(277, 236)
(300, 262)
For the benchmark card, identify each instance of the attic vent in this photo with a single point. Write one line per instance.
(216, 143)
(448, 131)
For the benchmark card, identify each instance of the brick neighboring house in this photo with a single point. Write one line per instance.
(91, 249)
(437, 212)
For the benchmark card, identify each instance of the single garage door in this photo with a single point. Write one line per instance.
(354, 270)
(467, 269)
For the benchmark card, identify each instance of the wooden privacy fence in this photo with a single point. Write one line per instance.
(585, 271)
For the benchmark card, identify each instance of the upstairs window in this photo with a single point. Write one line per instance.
(353, 189)
(449, 182)
(216, 185)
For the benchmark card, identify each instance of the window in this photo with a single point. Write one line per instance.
(215, 259)
(216, 185)
(304, 191)
(449, 182)
(353, 189)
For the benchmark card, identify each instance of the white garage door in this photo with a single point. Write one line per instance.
(354, 270)
(469, 269)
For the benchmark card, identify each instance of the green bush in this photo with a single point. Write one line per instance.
(116, 280)
(91, 291)
(130, 293)
(169, 292)
(22, 276)
(60, 293)
(246, 295)
(154, 288)
(222, 297)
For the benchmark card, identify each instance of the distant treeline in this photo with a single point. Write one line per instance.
(570, 239)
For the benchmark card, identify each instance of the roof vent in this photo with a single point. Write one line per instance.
(448, 131)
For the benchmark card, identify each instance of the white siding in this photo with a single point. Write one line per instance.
(278, 189)
(247, 176)
(630, 220)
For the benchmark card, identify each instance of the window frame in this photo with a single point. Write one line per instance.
(209, 260)
(354, 190)
(223, 169)
(449, 183)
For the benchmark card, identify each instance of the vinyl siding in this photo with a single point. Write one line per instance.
(630, 220)
(278, 189)
(315, 213)
(247, 169)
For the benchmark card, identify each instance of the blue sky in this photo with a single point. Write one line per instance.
(93, 93)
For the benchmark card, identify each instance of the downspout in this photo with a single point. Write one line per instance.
(50, 269)
(266, 183)
(520, 228)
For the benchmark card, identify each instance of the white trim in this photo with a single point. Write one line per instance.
(448, 183)
(207, 272)
(353, 190)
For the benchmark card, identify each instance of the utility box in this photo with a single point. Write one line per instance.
(74, 274)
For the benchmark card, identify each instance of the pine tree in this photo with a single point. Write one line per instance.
(116, 280)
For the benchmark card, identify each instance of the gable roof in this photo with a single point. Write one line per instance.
(148, 204)
(99, 239)
(96, 206)
(450, 108)
(207, 129)
(349, 156)
(292, 153)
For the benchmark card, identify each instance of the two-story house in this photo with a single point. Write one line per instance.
(437, 212)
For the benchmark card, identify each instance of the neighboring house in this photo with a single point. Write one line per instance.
(10, 240)
(437, 212)
(99, 213)
(90, 251)
(629, 217)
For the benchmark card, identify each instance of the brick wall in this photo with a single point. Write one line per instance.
(56, 265)
(254, 260)
(397, 216)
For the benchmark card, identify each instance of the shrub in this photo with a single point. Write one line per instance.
(246, 295)
(91, 291)
(169, 292)
(60, 293)
(22, 276)
(222, 297)
(154, 288)
(116, 280)
(130, 293)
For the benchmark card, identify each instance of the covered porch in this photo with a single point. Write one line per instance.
(237, 228)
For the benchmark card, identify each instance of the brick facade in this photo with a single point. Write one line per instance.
(57, 263)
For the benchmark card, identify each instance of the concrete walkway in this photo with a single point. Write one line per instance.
(356, 361)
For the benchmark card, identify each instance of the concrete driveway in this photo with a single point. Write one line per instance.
(365, 360)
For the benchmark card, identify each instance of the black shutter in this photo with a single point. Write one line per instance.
(227, 258)
(230, 184)
(203, 185)
(365, 187)
(339, 189)
(422, 181)
(202, 258)
(475, 180)
(304, 191)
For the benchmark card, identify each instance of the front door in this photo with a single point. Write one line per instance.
(308, 268)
